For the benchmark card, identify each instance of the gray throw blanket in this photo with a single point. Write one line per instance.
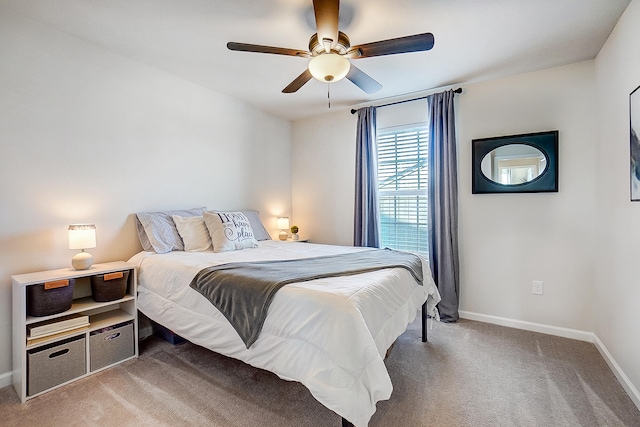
(243, 291)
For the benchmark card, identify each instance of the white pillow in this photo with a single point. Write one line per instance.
(193, 232)
(229, 231)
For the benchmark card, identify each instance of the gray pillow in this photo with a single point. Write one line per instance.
(142, 236)
(259, 232)
(159, 232)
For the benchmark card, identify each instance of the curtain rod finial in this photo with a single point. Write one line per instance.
(353, 111)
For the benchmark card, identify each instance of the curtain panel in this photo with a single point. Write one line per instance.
(443, 203)
(366, 214)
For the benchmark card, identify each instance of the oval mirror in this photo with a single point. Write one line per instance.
(513, 164)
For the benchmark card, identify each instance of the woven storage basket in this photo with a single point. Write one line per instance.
(109, 287)
(49, 298)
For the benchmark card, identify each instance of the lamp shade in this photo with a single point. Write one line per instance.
(82, 236)
(283, 223)
(329, 67)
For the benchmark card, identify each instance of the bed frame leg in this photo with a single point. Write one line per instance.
(424, 322)
(346, 423)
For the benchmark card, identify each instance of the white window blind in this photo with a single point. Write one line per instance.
(402, 185)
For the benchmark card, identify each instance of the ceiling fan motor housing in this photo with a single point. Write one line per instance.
(316, 48)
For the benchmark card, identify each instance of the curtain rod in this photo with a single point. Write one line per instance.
(353, 111)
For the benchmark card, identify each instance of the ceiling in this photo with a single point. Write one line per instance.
(474, 40)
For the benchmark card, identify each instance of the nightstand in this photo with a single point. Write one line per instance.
(50, 351)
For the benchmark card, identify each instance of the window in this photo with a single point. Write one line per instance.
(402, 187)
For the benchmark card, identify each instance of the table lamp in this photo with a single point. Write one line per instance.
(82, 236)
(283, 225)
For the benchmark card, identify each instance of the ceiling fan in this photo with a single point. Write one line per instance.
(330, 51)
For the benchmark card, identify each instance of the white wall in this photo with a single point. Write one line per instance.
(89, 136)
(509, 240)
(617, 290)
(323, 174)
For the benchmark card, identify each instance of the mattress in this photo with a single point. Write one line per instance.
(329, 334)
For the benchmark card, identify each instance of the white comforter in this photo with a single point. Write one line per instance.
(329, 334)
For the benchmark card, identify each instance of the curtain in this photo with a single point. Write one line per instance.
(443, 203)
(366, 216)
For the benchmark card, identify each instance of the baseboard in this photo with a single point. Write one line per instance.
(5, 379)
(631, 390)
(530, 326)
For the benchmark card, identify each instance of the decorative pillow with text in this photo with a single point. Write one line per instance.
(229, 231)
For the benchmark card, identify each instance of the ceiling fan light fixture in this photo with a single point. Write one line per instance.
(329, 67)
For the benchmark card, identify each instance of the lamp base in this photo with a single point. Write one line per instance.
(283, 235)
(82, 260)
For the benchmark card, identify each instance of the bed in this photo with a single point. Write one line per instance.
(330, 334)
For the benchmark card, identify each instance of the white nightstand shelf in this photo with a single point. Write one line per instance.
(111, 337)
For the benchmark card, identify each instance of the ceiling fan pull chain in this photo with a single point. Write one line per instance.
(329, 94)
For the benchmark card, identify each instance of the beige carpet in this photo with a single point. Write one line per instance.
(468, 374)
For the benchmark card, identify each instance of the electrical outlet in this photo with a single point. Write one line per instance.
(536, 288)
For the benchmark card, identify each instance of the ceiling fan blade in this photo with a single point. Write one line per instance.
(363, 80)
(326, 12)
(244, 47)
(415, 43)
(298, 82)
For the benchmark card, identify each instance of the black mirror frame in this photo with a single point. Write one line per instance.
(547, 182)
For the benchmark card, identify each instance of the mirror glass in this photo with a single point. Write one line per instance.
(513, 164)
